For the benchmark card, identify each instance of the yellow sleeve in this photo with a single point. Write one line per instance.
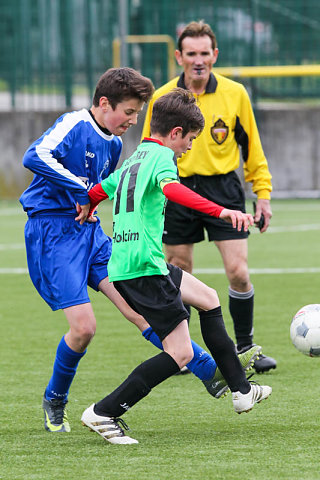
(255, 167)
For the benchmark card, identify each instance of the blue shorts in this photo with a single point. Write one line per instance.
(65, 257)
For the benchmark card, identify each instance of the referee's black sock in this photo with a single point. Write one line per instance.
(241, 310)
(223, 350)
(138, 384)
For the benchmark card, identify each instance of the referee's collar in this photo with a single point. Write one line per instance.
(210, 87)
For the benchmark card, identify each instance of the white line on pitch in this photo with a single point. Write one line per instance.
(10, 212)
(304, 207)
(206, 271)
(11, 246)
(258, 271)
(291, 228)
(15, 271)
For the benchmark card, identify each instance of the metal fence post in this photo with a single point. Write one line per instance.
(88, 47)
(123, 22)
(66, 48)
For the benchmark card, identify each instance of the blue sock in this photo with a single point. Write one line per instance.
(64, 369)
(202, 365)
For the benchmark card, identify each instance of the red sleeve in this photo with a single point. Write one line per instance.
(96, 195)
(184, 196)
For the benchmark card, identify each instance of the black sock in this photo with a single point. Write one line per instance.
(241, 310)
(223, 350)
(138, 384)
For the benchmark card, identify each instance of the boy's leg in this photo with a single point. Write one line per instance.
(244, 395)
(61, 281)
(137, 385)
(150, 373)
(102, 416)
(181, 256)
(82, 324)
(215, 336)
(222, 347)
(108, 289)
(71, 349)
(202, 364)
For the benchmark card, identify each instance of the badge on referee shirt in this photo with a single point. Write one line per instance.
(219, 131)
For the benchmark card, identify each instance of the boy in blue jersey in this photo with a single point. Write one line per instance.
(150, 286)
(64, 256)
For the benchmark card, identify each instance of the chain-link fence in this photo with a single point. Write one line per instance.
(52, 52)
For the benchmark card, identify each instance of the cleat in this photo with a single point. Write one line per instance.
(263, 363)
(217, 386)
(107, 427)
(55, 416)
(244, 402)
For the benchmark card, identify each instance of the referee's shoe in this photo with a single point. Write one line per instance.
(262, 364)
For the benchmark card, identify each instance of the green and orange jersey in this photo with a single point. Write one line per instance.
(230, 128)
(138, 211)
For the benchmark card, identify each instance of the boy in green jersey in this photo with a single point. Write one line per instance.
(150, 286)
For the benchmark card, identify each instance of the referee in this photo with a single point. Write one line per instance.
(209, 169)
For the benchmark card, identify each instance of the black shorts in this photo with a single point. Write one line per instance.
(157, 298)
(184, 225)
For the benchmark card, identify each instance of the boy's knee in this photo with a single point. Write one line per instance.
(184, 357)
(211, 300)
(83, 335)
(189, 356)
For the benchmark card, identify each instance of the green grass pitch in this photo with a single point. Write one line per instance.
(184, 433)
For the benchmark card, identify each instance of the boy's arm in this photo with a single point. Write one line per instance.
(45, 157)
(181, 194)
(83, 211)
(96, 195)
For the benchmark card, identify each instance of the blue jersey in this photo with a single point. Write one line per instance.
(67, 160)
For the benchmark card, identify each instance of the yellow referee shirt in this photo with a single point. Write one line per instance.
(230, 127)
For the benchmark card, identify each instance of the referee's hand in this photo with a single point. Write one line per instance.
(262, 211)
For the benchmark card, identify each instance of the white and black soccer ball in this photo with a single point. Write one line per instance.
(305, 330)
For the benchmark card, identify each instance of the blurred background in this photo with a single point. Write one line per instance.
(52, 52)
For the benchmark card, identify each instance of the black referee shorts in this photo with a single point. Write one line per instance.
(157, 298)
(184, 225)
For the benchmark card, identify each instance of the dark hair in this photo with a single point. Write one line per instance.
(197, 29)
(118, 84)
(177, 108)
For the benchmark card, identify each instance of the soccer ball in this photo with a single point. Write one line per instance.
(305, 330)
